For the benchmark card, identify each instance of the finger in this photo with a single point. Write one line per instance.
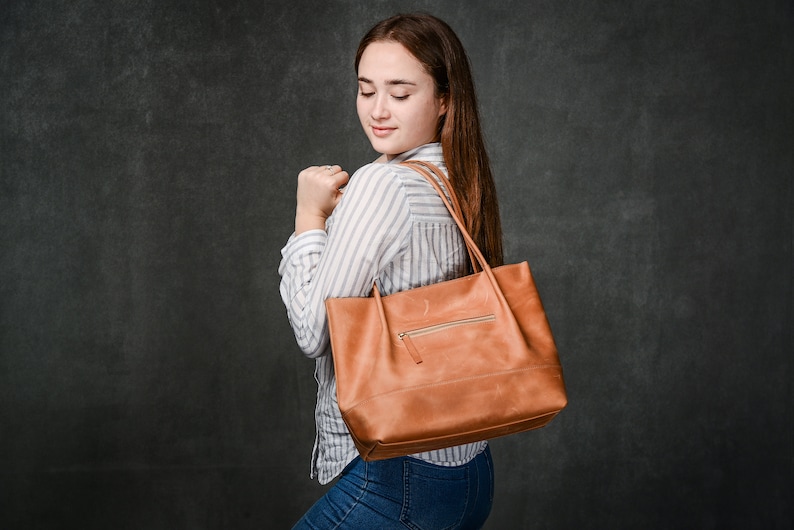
(329, 169)
(341, 178)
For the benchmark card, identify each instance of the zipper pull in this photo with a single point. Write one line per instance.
(406, 338)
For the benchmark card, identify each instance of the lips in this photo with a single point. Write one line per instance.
(382, 132)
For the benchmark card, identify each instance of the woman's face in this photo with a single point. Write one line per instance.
(396, 102)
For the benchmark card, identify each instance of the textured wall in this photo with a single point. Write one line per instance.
(148, 154)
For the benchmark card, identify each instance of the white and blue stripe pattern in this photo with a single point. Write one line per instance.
(390, 227)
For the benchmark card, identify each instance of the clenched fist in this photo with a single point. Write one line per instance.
(317, 196)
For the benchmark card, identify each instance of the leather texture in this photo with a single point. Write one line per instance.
(445, 364)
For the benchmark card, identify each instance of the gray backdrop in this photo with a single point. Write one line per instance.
(148, 155)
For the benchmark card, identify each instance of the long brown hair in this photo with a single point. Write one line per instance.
(441, 53)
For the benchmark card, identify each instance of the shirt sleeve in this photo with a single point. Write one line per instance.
(369, 229)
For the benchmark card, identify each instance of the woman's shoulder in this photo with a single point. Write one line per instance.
(376, 183)
(389, 185)
(384, 169)
(383, 173)
(398, 174)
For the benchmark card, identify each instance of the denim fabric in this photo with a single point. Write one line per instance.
(404, 493)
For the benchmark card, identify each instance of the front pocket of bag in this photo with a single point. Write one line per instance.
(408, 336)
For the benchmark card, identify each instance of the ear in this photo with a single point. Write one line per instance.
(442, 110)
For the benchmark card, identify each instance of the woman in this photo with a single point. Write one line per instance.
(415, 100)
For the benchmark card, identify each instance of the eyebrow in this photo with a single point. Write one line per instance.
(390, 82)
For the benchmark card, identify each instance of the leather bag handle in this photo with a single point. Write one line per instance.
(478, 261)
(427, 170)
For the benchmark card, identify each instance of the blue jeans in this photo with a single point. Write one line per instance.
(404, 493)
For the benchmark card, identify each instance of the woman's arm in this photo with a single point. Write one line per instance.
(369, 228)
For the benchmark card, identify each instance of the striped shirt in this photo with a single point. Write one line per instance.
(390, 227)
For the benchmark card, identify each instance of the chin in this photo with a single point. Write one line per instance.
(380, 148)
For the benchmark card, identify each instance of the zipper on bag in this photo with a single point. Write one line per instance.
(406, 336)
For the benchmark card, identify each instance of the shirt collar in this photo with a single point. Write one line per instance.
(431, 150)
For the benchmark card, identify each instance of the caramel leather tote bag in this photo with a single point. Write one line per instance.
(455, 362)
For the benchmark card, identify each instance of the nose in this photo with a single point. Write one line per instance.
(380, 109)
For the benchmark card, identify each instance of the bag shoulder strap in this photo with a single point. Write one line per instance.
(427, 170)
